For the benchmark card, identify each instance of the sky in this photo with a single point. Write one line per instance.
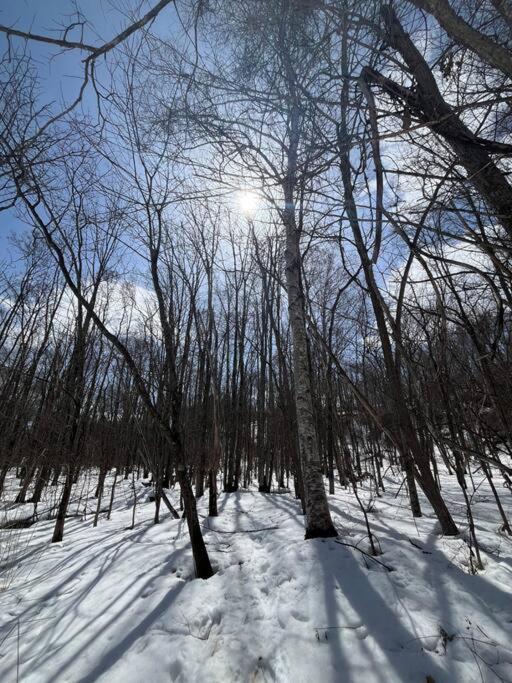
(61, 70)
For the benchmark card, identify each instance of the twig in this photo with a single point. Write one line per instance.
(354, 547)
(425, 552)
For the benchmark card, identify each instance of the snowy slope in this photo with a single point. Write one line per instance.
(117, 605)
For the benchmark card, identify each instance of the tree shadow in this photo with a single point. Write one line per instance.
(114, 654)
(384, 640)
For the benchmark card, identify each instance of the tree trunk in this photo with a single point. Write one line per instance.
(428, 104)
(212, 502)
(27, 480)
(58, 532)
(112, 492)
(318, 517)
(201, 560)
(42, 479)
(464, 34)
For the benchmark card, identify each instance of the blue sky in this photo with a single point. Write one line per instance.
(60, 71)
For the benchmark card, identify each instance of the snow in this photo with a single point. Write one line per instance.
(118, 604)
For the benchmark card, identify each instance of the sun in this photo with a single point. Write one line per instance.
(248, 202)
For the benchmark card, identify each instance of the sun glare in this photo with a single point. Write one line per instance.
(248, 202)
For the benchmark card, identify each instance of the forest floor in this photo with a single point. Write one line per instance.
(115, 604)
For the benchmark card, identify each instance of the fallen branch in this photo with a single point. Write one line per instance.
(416, 545)
(354, 547)
(168, 505)
(240, 531)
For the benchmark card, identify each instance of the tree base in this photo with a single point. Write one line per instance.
(330, 532)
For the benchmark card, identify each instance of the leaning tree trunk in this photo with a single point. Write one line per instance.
(463, 33)
(427, 103)
(201, 560)
(414, 459)
(505, 9)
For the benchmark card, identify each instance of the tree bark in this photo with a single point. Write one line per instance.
(464, 34)
(318, 517)
(58, 532)
(426, 102)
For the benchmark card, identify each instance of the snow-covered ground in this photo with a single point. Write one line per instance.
(117, 605)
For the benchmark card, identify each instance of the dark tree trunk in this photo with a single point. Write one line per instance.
(58, 532)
